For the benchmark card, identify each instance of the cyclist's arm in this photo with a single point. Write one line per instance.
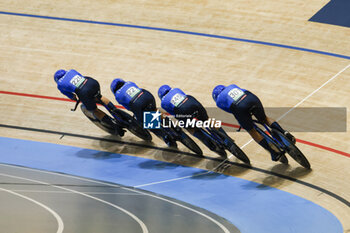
(70, 95)
(167, 108)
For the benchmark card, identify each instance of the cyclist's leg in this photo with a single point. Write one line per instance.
(111, 108)
(89, 95)
(203, 136)
(244, 118)
(102, 117)
(106, 102)
(274, 151)
(193, 109)
(105, 119)
(197, 111)
(147, 103)
(259, 113)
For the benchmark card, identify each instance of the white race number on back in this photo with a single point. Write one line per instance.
(236, 94)
(77, 80)
(177, 99)
(132, 91)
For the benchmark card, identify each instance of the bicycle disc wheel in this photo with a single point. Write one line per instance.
(189, 143)
(134, 126)
(140, 132)
(97, 122)
(238, 153)
(232, 147)
(294, 151)
(219, 148)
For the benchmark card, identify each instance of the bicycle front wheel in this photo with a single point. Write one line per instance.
(190, 144)
(140, 132)
(179, 135)
(238, 153)
(293, 150)
(232, 147)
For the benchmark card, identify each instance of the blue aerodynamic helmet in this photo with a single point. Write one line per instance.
(59, 74)
(163, 90)
(217, 90)
(117, 84)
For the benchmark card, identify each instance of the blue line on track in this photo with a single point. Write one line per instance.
(180, 31)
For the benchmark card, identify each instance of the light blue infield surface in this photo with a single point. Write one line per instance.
(252, 207)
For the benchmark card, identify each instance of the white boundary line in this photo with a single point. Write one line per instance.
(58, 218)
(143, 226)
(312, 93)
(180, 178)
(185, 207)
(117, 186)
(66, 192)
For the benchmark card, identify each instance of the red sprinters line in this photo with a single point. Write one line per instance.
(230, 125)
(35, 96)
(323, 147)
(42, 97)
(226, 124)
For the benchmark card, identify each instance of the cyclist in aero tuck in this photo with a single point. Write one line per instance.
(243, 104)
(138, 101)
(72, 84)
(185, 107)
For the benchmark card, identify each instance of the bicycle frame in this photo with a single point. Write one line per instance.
(225, 142)
(213, 134)
(119, 119)
(266, 136)
(76, 106)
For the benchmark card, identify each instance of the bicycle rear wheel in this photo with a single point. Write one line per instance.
(134, 126)
(293, 150)
(97, 122)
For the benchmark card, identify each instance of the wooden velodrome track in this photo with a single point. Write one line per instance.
(32, 49)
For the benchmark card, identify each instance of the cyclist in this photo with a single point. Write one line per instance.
(185, 107)
(138, 101)
(243, 104)
(76, 86)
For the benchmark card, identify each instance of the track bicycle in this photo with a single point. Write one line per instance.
(177, 134)
(121, 119)
(224, 142)
(282, 143)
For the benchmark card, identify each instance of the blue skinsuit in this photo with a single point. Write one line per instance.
(127, 93)
(173, 99)
(70, 82)
(231, 94)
